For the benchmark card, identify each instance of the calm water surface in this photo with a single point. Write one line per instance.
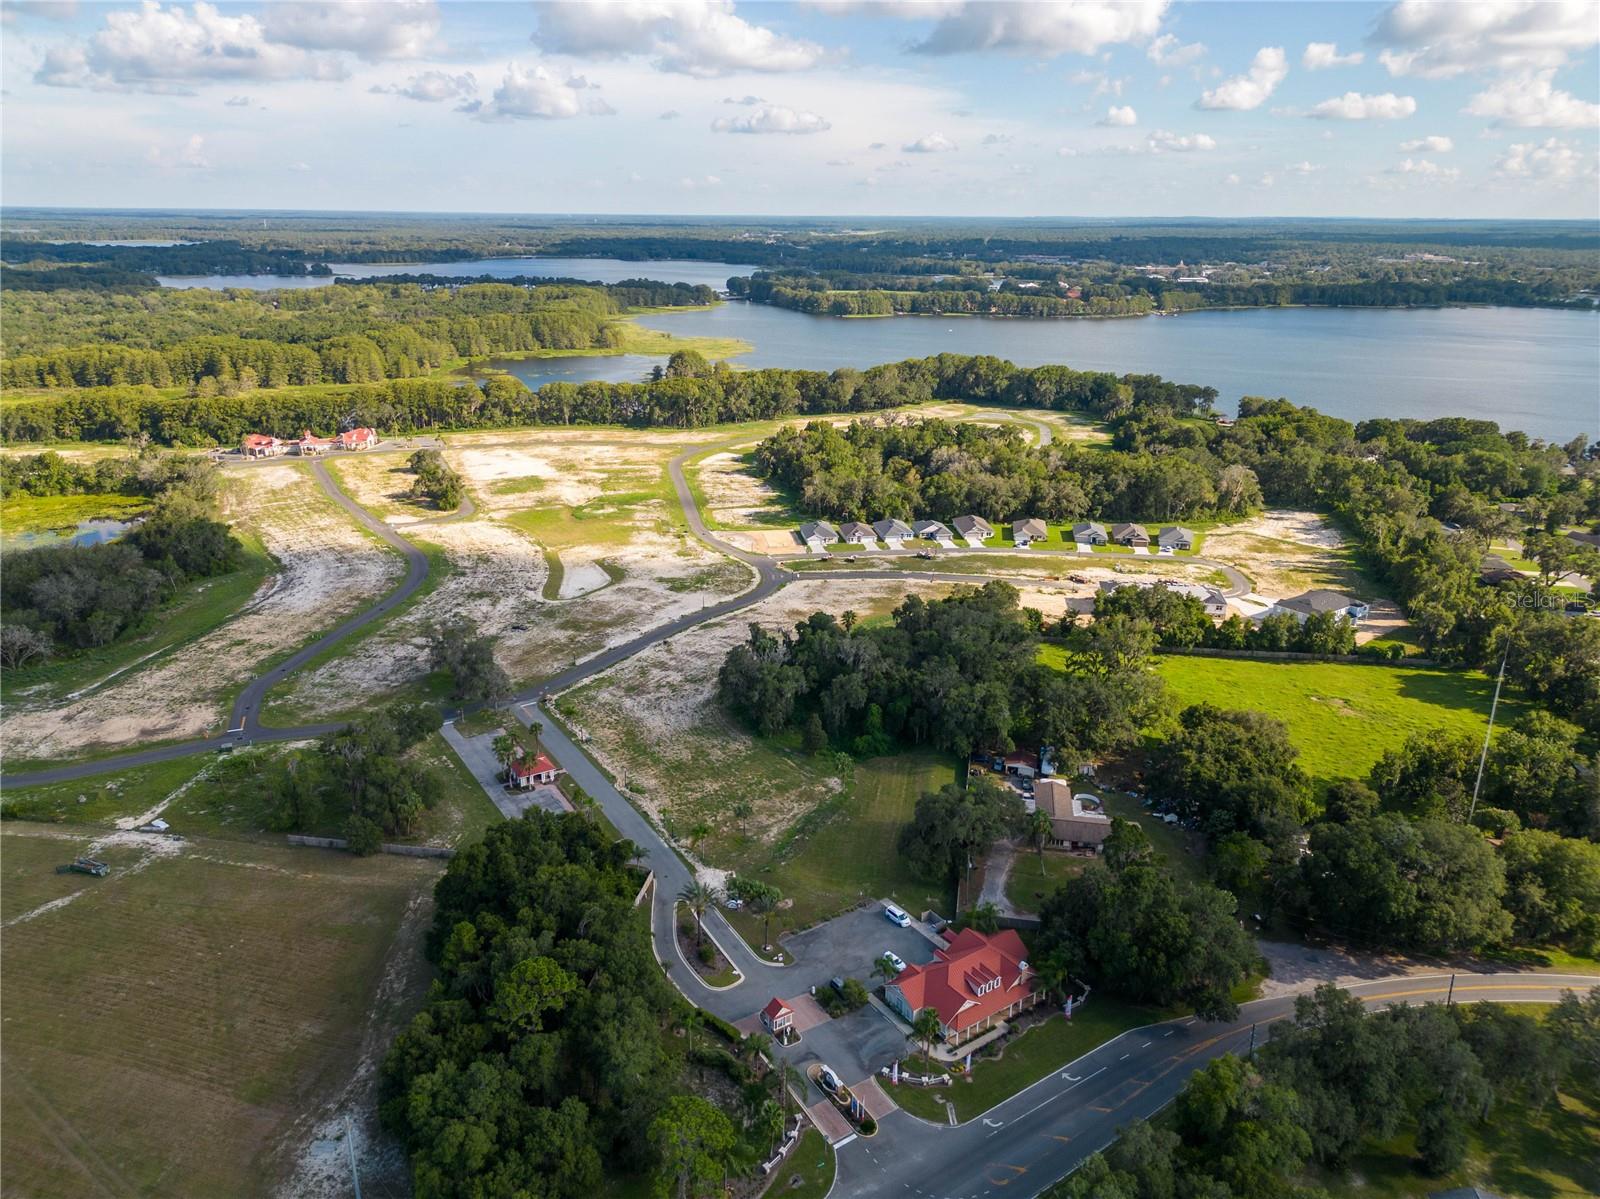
(599, 270)
(88, 532)
(1537, 370)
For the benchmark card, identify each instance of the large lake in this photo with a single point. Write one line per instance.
(1532, 369)
(595, 270)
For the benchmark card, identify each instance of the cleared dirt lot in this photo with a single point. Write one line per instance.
(328, 568)
(655, 723)
(169, 1026)
(734, 494)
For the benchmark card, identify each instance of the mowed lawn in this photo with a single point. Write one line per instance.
(168, 1026)
(1341, 717)
(846, 851)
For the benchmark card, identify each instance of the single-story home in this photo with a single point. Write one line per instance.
(524, 772)
(1022, 763)
(1076, 821)
(1090, 532)
(1025, 532)
(1211, 598)
(309, 445)
(1175, 537)
(818, 535)
(778, 1018)
(1322, 600)
(932, 530)
(1129, 534)
(358, 439)
(973, 528)
(857, 532)
(261, 445)
(974, 983)
(892, 532)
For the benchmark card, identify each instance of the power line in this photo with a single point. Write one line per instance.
(1483, 757)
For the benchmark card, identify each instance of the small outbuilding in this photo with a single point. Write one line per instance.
(778, 1019)
(525, 772)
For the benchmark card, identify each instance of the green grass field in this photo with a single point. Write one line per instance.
(845, 851)
(1341, 717)
(22, 513)
(170, 1027)
(1041, 1050)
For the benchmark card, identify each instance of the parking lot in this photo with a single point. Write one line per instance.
(848, 945)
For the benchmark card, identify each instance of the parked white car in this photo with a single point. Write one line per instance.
(894, 960)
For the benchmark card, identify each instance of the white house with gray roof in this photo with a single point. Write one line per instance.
(974, 529)
(1320, 600)
(893, 533)
(818, 536)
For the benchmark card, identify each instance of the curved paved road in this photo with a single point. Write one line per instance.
(771, 574)
(1038, 1136)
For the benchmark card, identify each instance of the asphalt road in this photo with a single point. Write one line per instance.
(1024, 1145)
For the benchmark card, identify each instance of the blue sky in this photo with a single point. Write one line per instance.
(831, 107)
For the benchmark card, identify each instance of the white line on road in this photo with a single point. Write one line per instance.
(1057, 1095)
(1146, 1045)
(1125, 1057)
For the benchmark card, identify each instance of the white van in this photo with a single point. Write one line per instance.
(896, 915)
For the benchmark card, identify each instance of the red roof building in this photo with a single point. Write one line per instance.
(777, 1017)
(974, 983)
(358, 439)
(310, 444)
(524, 772)
(260, 445)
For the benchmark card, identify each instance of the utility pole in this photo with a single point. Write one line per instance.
(1451, 994)
(1251, 1052)
(1493, 705)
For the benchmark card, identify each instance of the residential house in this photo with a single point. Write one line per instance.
(1026, 532)
(1089, 532)
(857, 532)
(1211, 599)
(1022, 763)
(1129, 534)
(976, 982)
(818, 535)
(892, 532)
(358, 439)
(973, 528)
(1175, 537)
(1076, 821)
(1322, 600)
(309, 445)
(932, 530)
(778, 1019)
(260, 445)
(525, 772)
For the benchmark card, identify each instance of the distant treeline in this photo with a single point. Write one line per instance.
(681, 400)
(381, 330)
(202, 258)
(630, 293)
(838, 294)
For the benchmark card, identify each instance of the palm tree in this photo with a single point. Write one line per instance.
(926, 1029)
(1039, 830)
(697, 897)
(885, 970)
(1052, 974)
(505, 748)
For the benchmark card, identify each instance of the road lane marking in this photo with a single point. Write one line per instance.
(1125, 1057)
(1146, 1045)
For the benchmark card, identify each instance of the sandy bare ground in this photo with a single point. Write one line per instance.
(379, 483)
(765, 541)
(328, 569)
(734, 493)
(655, 722)
(496, 581)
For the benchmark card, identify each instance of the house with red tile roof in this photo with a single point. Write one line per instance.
(975, 982)
(358, 439)
(311, 445)
(525, 772)
(261, 445)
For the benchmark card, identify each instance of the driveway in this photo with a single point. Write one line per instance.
(848, 946)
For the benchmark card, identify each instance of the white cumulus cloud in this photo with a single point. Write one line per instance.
(772, 118)
(930, 143)
(1319, 56)
(1533, 102)
(1041, 30)
(1434, 143)
(1120, 114)
(1244, 92)
(1353, 106)
(1426, 168)
(1163, 142)
(392, 29)
(1167, 51)
(703, 38)
(431, 87)
(1551, 159)
(1439, 40)
(532, 93)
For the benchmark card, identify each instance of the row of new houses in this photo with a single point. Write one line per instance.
(818, 535)
(263, 445)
